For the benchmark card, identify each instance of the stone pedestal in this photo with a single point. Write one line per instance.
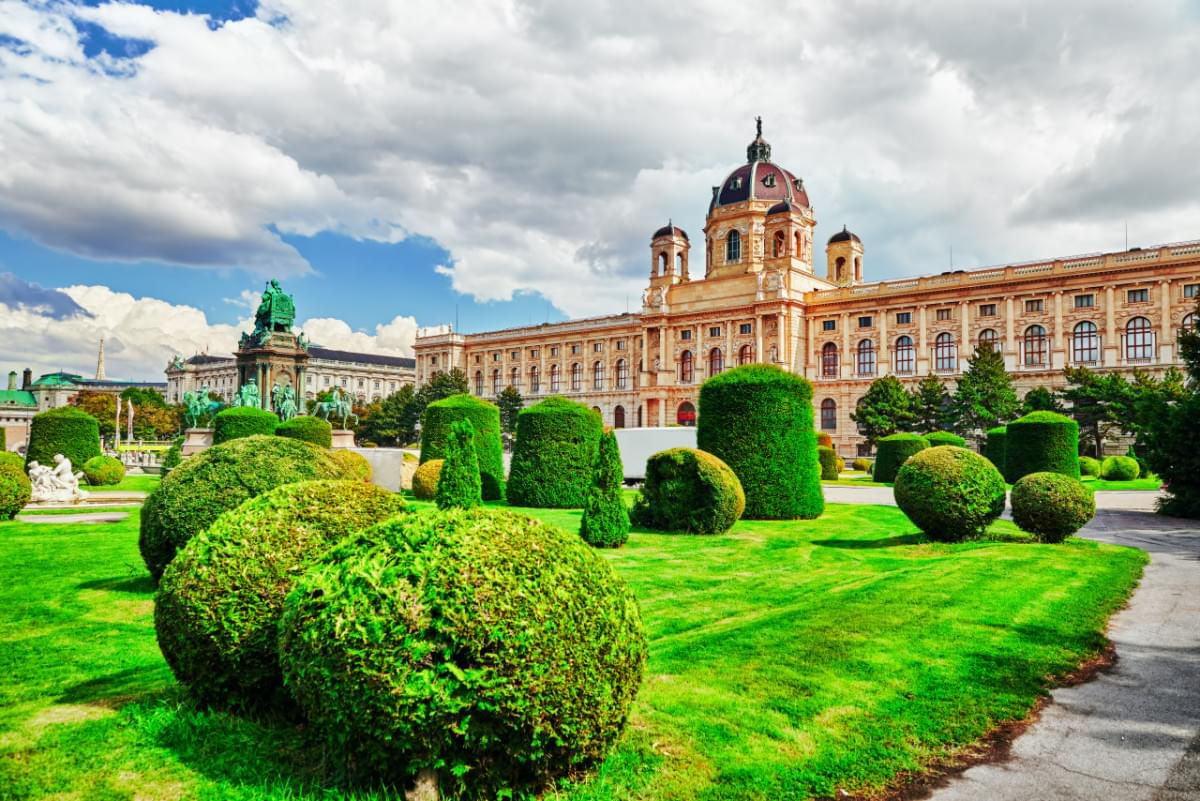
(342, 439)
(196, 440)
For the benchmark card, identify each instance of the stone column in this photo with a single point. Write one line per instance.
(1166, 339)
(758, 339)
(884, 357)
(1010, 336)
(1058, 356)
(781, 338)
(1112, 343)
(730, 356)
(922, 341)
(966, 348)
(847, 366)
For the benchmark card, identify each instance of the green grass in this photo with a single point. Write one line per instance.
(787, 660)
(139, 483)
(1150, 483)
(855, 480)
(81, 509)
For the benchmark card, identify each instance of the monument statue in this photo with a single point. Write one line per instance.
(177, 362)
(276, 311)
(285, 407)
(59, 483)
(338, 405)
(199, 407)
(248, 395)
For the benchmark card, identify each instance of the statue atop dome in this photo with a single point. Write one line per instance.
(759, 149)
(276, 312)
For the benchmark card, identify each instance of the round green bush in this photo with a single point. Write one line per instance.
(758, 419)
(945, 438)
(557, 443)
(1041, 442)
(829, 460)
(425, 480)
(242, 421)
(499, 650)
(14, 490)
(994, 448)
(193, 495)
(220, 600)
(950, 493)
(67, 430)
(1089, 466)
(308, 428)
(892, 452)
(691, 491)
(15, 459)
(485, 419)
(103, 471)
(1051, 506)
(355, 466)
(863, 465)
(1119, 468)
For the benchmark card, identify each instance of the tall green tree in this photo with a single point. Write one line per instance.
(1168, 435)
(459, 484)
(985, 396)
(1041, 399)
(605, 522)
(510, 403)
(885, 409)
(930, 405)
(392, 421)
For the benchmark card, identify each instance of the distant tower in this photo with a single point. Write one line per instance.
(844, 255)
(669, 256)
(100, 362)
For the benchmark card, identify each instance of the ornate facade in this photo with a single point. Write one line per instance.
(761, 300)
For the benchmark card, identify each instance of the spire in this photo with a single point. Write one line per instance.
(100, 362)
(759, 149)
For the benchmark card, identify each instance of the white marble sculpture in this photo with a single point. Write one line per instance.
(59, 483)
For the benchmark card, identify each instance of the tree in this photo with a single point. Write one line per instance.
(929, 404)
(1040, 399)
(510, 403)
(459, 484)
(885, 409)
(143, 396)
(984, 397)
(102, 406)
(605, 520)
(440, 385)
(1168, 437)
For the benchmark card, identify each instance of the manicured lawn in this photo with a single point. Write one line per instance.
(1151, 483)
(855, 480)
(79, 509)
(787, 660)
(138, 483)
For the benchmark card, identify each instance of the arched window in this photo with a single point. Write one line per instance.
(716, 361)
(829, 415)
(662, 263)
(496, 381)
(622, 374)
(554, 377)
(686, 367)
(733, 247)
(866, 357)
(1085, 343)
(514, 379)
(478, 382)
(1139, 340)
(619, 417)
(679, 263)
(945, 352)
(780, 241)
(596, 409)
(1190, 322)
(829, 360)
(598, 375)
(686, 415)
(988, 337)
(535, 379)
(905, 355)
(745, 354)
(1034, 345)
(774, 354)
(576, 377)
(796, 245)
(839, 272)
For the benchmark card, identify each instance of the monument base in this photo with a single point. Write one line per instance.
(196, 440)
(342, 439)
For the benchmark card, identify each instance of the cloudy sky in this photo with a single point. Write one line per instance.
(398, 163)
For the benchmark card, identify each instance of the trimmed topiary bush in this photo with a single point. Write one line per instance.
(824, 440)
(458, 483)
(500, 651)
(67, 430)
(174, 455)
(242, 421)
(103, 471)
(1119, 468)
(605, 521)
(950, 493)
(308, 428)
(945, 438)
(355, 466)
(758, 419)
(425, 480)
(1051, 506)
(220, 600)
(691, 491)
(863, 465)
(841, 464)
(15, 459)
(892, 452)
(828, 460)
(994, 447)
(195, 494)
(15, 490)
(1041, 442)
(556, 447)
(485, 419)
(1089, 466)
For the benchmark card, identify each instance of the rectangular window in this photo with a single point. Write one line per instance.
(829, 325)
(515, 355)
(685, 334)
(620, 344)
(597, 347)
(715, 331)
(748, 328)
(478, 358)
(533, 353)
(987, 310)
(1085, 301)
(903, 318)
(1191, 290)
(496, 357)
(1033, 305)
(1138, 296)
(554, 350)
(433, 360)
(326, 380)
(864, 322)
(943, 314)
(574, 349)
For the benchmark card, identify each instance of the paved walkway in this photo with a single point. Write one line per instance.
(84, 517)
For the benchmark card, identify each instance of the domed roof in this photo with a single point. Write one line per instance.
(844, 236)
(670, 230)
(760, 179)
(782, 207)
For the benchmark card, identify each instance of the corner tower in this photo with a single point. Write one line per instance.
(844, 258)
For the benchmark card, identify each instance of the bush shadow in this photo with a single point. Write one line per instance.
(136, 585)
(886, 542)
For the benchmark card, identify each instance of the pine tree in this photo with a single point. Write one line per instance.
(605, 521)
(1041, 399)
(884, 410)
(985, 396)
(459, 485)
(510, 403)
(929, 404)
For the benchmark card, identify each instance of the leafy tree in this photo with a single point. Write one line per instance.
(1092, 397)
(102, 406)
(1168, 436)
(1041, 399)
(459, 485)
(605, 522)
(984, 397)
(143, 396)
(885, 409)
(440, 385)
(510, 403)
(930, 404)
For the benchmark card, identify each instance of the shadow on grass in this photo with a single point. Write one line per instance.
(886, 542)
(115, 689)
(136, 585)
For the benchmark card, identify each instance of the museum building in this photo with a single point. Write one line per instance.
(761, 300)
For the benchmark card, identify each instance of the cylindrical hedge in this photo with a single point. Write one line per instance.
(557, 443)
(950, 493)
(218, 479)
(829, 463)
(758, 419)
(1089, 466)
(945, 438)
(994, 447)
(14, 490)
(1119, 468)
(500, 651)
(691, 491)
(1051, 506)
(425, 479)
(891, 452)
(308, 428)
(242, 421)
(485, 419)
(1041, 442)
(219, 603)
(67, 430)
(103, 471)
(355, 466)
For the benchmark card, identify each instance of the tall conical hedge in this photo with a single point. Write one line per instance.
(485, 419)
(605, 521)
(555, 451)
(459, 486)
